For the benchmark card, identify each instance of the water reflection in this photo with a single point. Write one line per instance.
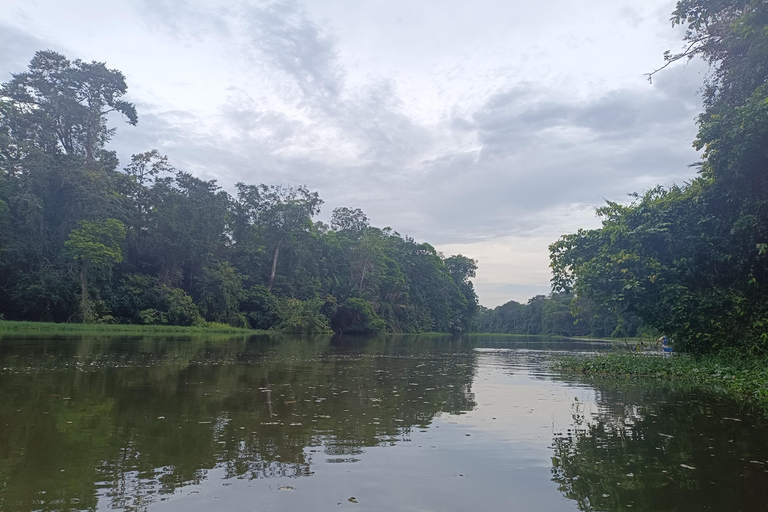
(398, 423)
(133, 419)
(659, 445)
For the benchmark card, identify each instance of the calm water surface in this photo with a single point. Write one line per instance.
(384, 424)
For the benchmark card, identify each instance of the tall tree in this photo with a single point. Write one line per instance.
(62, 105)
(280, 211)
(96, 246)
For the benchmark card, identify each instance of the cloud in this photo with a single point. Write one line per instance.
(283, 34)
(450, 161)
(17, 48)
(183, 18)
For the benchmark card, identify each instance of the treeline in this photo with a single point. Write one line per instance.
(692, 260)
(82, 239)
(560, 314)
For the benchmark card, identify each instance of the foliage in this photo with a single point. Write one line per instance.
(180, 309)
(150, 244)
(356, 316)
(303, 317)
(691, 260)
(261, 308)
(49, 328)
(221, 291)
(61, 105)
(560, 314)
(97, 244)
(741, 375)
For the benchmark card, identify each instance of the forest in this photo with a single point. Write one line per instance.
(83, 239)
(560, 314)
(86, 239)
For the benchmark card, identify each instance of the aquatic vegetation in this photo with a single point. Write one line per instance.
(742, 375)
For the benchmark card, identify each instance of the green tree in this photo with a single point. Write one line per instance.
(62, 105)
(356, 316)
(691, 260)
(221, 291)
(275, 213)
(303, 317)
(96, 246)
(352, 222)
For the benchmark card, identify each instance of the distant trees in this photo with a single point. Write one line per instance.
(559, 314)
(81, 239)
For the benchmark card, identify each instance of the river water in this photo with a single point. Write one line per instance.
(383, 424)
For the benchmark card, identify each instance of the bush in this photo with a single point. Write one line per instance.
(261, 308)
(356, 316)
(303, 317)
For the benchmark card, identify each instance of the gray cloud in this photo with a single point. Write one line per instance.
(284, 34)
(17, 48)
(519, 163)
(418, 115)
(183, 18)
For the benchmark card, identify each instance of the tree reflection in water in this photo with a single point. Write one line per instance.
(659, 445)
(130, 420)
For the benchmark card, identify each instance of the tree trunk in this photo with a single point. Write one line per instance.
(274, 266)
(86, 311)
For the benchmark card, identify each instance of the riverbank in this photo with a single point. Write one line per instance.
(743, 376)
(9, 326)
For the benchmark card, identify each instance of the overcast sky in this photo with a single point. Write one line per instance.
(488, 128)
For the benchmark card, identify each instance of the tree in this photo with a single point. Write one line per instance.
(62, 105)
(353, 222)
(140, 175)
(462, 269)
(187, 227)
(96, 247)
(221, 291)
(190, 248)
(279, 212)
(691, 260)
(356, 316)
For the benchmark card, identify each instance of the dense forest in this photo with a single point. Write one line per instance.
(85, 239)
(692, 260)
(561, 314)
(82, 239)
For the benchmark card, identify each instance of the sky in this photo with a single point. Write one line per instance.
(488, 128)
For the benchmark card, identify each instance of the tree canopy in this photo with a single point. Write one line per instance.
(81, 238)
(691, 260)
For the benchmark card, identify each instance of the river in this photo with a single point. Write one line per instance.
(393, 423)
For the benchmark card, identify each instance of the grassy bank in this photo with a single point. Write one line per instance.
(11, 327)
(628, 340)
(743, 376)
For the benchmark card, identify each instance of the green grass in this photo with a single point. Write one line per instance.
(743, 376)
(504, 334)
(632, 340)
(8, 327)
